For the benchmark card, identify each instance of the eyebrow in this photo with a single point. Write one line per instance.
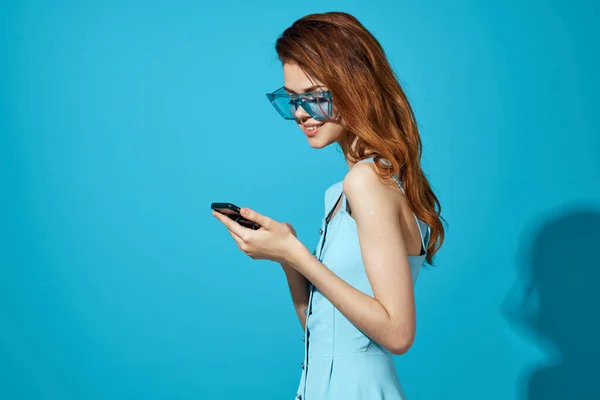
(308, 89)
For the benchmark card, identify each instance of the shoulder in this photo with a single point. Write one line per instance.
(368, 194)
(363, 185)
(360, 175)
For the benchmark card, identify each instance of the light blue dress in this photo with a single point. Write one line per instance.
(341, 362)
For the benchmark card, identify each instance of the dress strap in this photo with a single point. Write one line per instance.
(345, 201)
(424, 236)
(341, 196)
(368, 159)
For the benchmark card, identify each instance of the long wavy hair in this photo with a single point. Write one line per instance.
(336, 49)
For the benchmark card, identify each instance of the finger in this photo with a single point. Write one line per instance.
(230, 224)
(235, 237)
(252, 215)
(242, 245)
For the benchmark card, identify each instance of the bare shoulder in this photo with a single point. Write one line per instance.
(373, 201)
(362, 184)
(363, 180)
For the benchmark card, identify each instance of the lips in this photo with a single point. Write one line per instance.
(313, 129)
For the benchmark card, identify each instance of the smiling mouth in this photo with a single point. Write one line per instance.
(311, 130)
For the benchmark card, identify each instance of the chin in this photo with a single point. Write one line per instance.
(318, 143)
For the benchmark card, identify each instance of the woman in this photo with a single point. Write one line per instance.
(354, 295)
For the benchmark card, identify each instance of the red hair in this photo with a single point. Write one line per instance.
(336, 49)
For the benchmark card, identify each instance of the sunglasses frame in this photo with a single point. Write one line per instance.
(298, 99)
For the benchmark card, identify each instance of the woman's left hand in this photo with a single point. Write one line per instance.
(273, 241)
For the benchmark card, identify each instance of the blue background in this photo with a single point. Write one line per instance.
(121, 121)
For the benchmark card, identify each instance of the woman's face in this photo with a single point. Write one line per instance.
(318, 133)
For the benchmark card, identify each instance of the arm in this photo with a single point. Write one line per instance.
(388, 317)
(298, 285)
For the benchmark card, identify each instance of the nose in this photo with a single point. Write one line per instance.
(301, 112)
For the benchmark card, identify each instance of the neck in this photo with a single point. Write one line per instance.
(353, 146)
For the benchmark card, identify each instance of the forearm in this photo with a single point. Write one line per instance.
(364, 311)
(299, 290)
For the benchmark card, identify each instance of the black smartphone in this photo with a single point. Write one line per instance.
(233, 212)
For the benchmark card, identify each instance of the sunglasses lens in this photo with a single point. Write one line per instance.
(285, 106)
(317, 107)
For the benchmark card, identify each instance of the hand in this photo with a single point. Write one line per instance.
(291, 228)
(273, 241)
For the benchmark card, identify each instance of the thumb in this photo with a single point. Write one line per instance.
(255, 217)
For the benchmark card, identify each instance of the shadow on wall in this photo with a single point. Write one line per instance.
(556, 304)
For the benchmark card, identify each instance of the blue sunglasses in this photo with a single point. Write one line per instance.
(317, 104)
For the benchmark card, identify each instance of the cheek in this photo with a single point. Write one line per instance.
(334, 130)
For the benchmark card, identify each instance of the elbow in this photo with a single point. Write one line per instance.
(400, 348)
(400, 343)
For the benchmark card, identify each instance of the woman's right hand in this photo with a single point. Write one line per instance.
(291, 228)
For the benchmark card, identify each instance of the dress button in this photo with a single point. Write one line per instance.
(302, 365)
(320, 231)
(305, 311)
(303, 338)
